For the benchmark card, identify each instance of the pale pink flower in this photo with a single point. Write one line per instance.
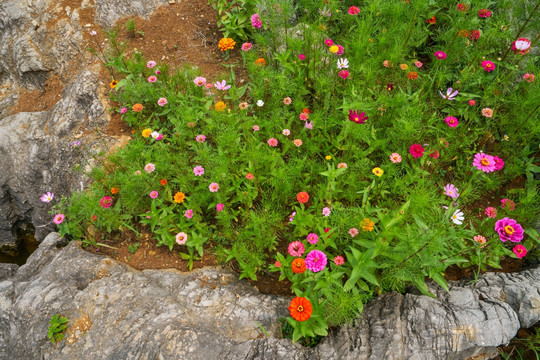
(338, 260)
(487, 112)
(188, 213)
(296, 249)
(181, 238)
(154, 194)
(287, 101)
(353, 232)
(308, 125)
(395, 158)
(342, 165)
(152, 79)
(246, 46)
(480, 239)
(162, 102)
(326, 211)
(255, 127)
(199, 81)
(198, 170)
(151, 64)
(200, 138)
(47, 197)
(451, 191)
(214, 187)
(222, 85)
(297, 142)
(418, 64)
(149, 168)
(286, 132)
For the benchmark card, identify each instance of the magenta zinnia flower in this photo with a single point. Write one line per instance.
(484, 13)
(359, 118)
(343, 74)
(451, 191)
(188, 213)
(509, 229)
(488, 65)
(219, 207)
(316, 261)
(296, 248)
(256, 21)
(416, 150)
(499, 163)
(105, 202)
(441, 55)
(451, 121)
(508, 204)
(246, 46)
(154, 194)
(484, 162)
(520, 251)
(312, 238)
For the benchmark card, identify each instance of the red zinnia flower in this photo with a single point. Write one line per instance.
(353, 10)
(300, 308)
(431, 21)
(304, 110)
(302, 197)
(416, 150)
(484, 13)
(163, 182)
(412, 75)
(434, 154)
(474, 35)
(359, 118)
(463, 7)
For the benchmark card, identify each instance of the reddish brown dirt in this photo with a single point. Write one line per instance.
(37, 100)
(508, 265)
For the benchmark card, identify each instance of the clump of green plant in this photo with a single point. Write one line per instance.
(131, 28)
(233, 17)
(133, 248)
(57, 326)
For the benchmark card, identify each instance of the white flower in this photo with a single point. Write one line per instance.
(343, 64)
(260, 103)
(458, 217)
(93, 33)
(522, 44)
(155, 134)
(286, 132)
(505, 137)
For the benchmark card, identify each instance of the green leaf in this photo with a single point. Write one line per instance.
(439, 279)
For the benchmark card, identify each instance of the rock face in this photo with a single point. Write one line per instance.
(37, 155)
(108, 12)
(119, 313)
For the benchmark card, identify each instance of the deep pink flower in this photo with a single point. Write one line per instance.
(296, 248)
(312, 238)
(451, 121)
(152, 79)
(123, 110)
(416, 150)
(105, 202)
(463, 7)
(359, 118)
(499, 163)
(246, 46)
(434, 154)
(154, 194)
(328, 42)
(338, 260)
(188, 213)
(472, 102)
(509, 229)
(484, 162)
(256, 21)
(341, 50)
(219, 207)
(484, 13)
(418, 64)
(491, 212)
(508, 204)
(474, 35)
(58, 219)
(200, 138)
(528, 77)
(354, 10)
(343, 74)
(441, 55)
(302, 57)
(316, 261)
(520, 251)
(488, 65)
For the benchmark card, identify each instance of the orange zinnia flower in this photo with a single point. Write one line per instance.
(298, 265)
(114, 190)
(163, 182)
(302, 197)
(412, 75)
(367, 225)
(137, 107)
(260, 61)
(226, 44)
(179, 197)
(300, 308)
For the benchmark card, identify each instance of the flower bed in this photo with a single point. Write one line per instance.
(371, 140)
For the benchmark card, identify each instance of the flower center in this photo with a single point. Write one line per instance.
(509, 230)
(485, 162)
(300, 308)
(316, 259)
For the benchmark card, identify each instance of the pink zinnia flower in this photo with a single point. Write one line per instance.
(520, 251)
(256, 21)
(338, 260)
(499, 163)
(255, 127)
(149, 168)
(246, 46)
(434, 154)
(451, 191)
(353, 232)
(312, 238)
(105, 202)
(188, 213)
(198, 170)
(418, 64)
(484, 13)
(277, 264)
(342, 165)
(219, 207)
(344, 74)
(151, 64)
(491, 212)
(508, 204)
(528, 77)
(416, 150)
(296, 249)
(209, 85)
(214, 187)
(489, 66)
(199, 81)
(480, 239)
(441, 55)
(58, 219)
(472, 102)
(154, 194)
(162, 102)
(353, 10)
(316, 261)
(484, 162)
(181, 238)
(341, 50)
(303, 116)
(395, 158)
(487, 112)
(509, 229)
(200, 138)
(47, 197)
(451, 121)
(272, 142)
(123, 110)
(287, 101)
(328, 42)
(302, 57)
(152, 79)
(326, 211)
(297, 142)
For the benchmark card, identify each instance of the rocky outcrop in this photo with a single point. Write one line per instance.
(108, 12)
(116, 312)
(37, 155)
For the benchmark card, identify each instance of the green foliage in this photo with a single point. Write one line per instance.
(234, 17)
(133, 248)
(57, 326)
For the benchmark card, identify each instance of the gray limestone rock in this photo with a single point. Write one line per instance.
(7, 270)
(108, 12)
(116, 312)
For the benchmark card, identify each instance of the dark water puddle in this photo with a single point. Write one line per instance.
(27, 245)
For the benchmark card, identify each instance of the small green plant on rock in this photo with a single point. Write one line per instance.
(57, 326)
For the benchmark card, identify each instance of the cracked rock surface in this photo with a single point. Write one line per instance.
(116, 312)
